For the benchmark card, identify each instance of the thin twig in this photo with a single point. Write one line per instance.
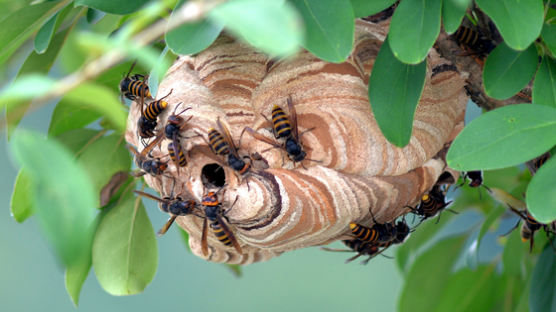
(191, 11)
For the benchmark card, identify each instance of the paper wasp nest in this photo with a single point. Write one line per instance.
(280, 205)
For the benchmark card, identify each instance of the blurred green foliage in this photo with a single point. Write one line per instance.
(462, 258)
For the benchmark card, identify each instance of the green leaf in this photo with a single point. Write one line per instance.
(414, 28)
(504, 137)
(513, 254)
(541, 197)
(99, 99)
(511, 292)
(235, 269)
(125, 255)
(75, 140)
(429, 274)
(519, 21)
(491, 218)
(394, 92)
(548, 34)
(192, 37)
(329, 27)
(72, 56)
(40, 64)
(185, 237)
(43, 37)
(364, 8)
(473, 290)
(114, 75)
(21, 204)
(24, 88)
(103, 158)
(452, 14)
(77, 273)
(268, 25)
(507, 71)
(544, 87)
(418, 240)
(100, 43)
(94, 16)
(69, 115)
(18, 26)
(75, 276)
(523, 301)
(64, 199)
(120, 7)
(542, 296)
(158, 72)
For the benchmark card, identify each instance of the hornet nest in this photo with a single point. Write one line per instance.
(350, 169)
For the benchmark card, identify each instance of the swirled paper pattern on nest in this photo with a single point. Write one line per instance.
(285, 206)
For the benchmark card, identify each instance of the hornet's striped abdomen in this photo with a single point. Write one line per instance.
(181, 161)
(217, 143)
(134, 87)
(220, 234)
(281, 123)
(428, 205)
(362, 233)
(139, 88)
(467, 36)
(154, 109)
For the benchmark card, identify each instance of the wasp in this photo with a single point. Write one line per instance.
(378, 233)
(536, 163)
(175, 206)
(373, 249)
(149, 165)
(148, 120)
(134, 86)
(383, 234)
(284, 128)
(221, 143)
(402, 232)
(431, 203)
(176, 154)
(475, 178)
(530, 226)
(475, 42)
(362, 248)
(172, 130)
(214, 214)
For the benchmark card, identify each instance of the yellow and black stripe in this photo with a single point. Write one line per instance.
(154, 109)
(139, 89)
(217, 143)
(181, 161)
(281, 123)
(133, 87)
(365, 234)
(220, 233)
(428, 205)
(467, 36)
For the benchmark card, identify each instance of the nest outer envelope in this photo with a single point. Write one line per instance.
(282, 206)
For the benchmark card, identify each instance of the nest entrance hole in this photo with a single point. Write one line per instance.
(213, 175)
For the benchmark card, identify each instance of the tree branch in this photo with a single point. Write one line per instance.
(191, 11)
